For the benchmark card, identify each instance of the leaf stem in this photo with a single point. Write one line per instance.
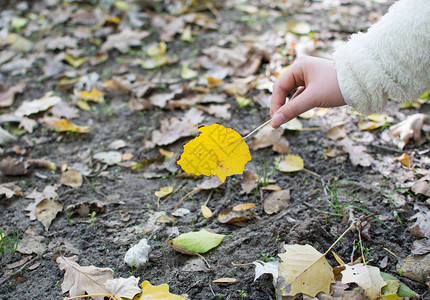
(339, 238)
(256, 129)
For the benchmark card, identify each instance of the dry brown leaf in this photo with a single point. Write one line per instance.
(124, 287)
(6, 137)
(210, 183)
(421, 228)
(124, 39)
(31, 107)
(79, 280)
(409, 128)
(31, 243)
(7, 95)
(276, 202)
(404, 159)
(422, 186)
(415, 267)
(336, 132)
(219, 111)
(13, 167)
(421, 247)
(248, 181)
(333, 153)
(357, 153)
(47, 210)
(268, 136)
(173, 129)
(234, 216)
(71, 178)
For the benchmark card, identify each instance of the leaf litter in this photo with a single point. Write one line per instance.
(119, 72)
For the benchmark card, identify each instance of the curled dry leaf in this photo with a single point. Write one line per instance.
(234, 216)
(337, 132)
(123, 287)
(13, 167)
(268, 136)
(409, 128)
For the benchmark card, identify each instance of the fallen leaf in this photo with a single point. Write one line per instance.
(271, 267)
(31, 243)
(403, 290)
(367, 277)
(337, 132)
(47, 210)
(276, 202)
(216, 151)
(164, 192)
(74, 61)
(268, 136)
(6, 137)
(124, 39)
(123, 287)
(67, 126)
(195, 264)
(159, 292)
(243, 206)
(219, 111)
(291, 163)
(248, 181)
(13, 167)
(421, 247)
(422, 186)
(199, 241)
(404, 159)
(79, 280)
(109, 157)
(421, 228)
(229, 216)
(301, 27)
(415, 267)
(357, 153)
(272, 187)
(8, 193)
(94, 95)
(213, 82)
(206, 212)
(71, 178)
(137, 255)
(333, 153)
(407, 129)
(31, 107)
(174, 129)
(7, 95)
(293, 124)
(303, 270)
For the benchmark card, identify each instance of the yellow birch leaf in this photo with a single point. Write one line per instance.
(206, 212)
(243, 206)
(160, 292)
(291, 163)
(216, 151)
(66, 125)
(303, 270)
(94, 95)
(164, 192)
(404, 159)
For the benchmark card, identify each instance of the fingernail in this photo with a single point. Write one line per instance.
(278, 119)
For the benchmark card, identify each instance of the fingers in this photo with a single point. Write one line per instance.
(296, 106)
(291, 79)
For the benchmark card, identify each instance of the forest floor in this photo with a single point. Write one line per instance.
(142, 76)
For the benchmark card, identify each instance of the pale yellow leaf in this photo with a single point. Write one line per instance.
(291, 163)
(164, 192)
(404, 159)
(206, 212)
(243, 206)
(367, 277)
(159, 292)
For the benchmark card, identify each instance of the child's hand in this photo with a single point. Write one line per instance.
(316, 79)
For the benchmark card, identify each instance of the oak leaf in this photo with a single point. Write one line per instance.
(123, 287)
(79, 280)
(216, 151)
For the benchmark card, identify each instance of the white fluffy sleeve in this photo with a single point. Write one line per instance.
(391, 59)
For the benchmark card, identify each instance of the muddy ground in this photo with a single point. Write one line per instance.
(124, 199)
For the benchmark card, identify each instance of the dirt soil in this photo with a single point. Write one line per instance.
(321, 204)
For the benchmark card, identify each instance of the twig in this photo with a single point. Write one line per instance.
(361, 246)
(182, 199)
(390, 252)
(311, 172)
(209, 197)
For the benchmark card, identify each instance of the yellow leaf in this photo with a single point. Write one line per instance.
(303, 270)
(157, 49)
(206, 212)
(187, 34)
(242, 101)
(243, 206)
(291, 163)
(213, 82)
(159, 292)
(188, 73)
(164, 192)
(216, 151)
(66, 125)
(94, 95)
(75, 62)
(154, 62)
(404, 159)
(83, 105)
(308, 114)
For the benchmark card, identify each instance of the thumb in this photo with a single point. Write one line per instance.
(293, 108)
